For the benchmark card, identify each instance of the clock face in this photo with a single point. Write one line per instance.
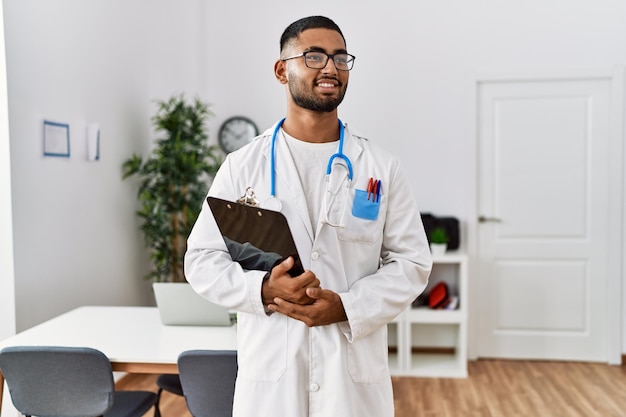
(236, 132)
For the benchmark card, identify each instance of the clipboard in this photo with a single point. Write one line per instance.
(257, 238)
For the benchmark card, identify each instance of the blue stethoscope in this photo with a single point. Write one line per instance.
(276, 205)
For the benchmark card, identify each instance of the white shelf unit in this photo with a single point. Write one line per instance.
(433, 343)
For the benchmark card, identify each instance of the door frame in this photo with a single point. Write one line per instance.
(617, 250)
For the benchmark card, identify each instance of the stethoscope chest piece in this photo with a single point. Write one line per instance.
(273, 204)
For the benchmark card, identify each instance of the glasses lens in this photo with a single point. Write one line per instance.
(315, 60)
(343, 61)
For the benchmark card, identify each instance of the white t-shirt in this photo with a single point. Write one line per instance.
(311, 160)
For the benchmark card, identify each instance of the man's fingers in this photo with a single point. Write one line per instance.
(279, 305)
(284, 266)
(314, 292)
(292, 310)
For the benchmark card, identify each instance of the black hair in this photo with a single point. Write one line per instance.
(312, 22)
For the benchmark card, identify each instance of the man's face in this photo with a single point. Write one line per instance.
(320, 90)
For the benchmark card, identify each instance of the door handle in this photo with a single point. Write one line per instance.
(485, 219)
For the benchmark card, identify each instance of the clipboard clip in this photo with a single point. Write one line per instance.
(248, 198)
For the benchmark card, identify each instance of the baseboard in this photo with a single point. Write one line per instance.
(448, 351)
(436, 350)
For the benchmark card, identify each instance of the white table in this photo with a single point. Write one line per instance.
(133, 338)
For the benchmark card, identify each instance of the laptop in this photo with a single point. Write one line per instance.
(180, 305)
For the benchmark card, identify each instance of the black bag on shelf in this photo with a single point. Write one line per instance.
(450, 225)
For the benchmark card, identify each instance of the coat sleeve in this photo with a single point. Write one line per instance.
(209, 267)
(406, 262)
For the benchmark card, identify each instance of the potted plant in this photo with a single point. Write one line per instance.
(172, 182)
(438, 241)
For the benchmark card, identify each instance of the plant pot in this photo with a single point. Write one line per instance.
(438, 249)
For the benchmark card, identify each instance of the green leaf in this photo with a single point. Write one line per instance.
(173, 181)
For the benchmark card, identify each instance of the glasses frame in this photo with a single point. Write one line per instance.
(351, 58)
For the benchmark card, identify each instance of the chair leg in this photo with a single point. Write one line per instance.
(157, 411)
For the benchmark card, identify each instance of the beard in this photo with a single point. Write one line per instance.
(303, 96)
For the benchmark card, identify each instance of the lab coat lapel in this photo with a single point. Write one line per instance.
(288, 186)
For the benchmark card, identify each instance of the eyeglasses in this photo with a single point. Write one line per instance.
(318, 60)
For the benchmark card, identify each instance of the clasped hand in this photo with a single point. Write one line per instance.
(301, 297)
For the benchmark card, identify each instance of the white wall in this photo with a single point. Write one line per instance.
(76, 234)
(102, 61)
(7, 287)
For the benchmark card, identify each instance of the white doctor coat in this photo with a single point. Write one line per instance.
(378, 267)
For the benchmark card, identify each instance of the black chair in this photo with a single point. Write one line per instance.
(208, 381)
(68, 381)
(169, 382)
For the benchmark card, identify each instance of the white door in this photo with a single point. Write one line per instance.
(544, 198)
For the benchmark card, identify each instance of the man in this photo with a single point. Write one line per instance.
(316, 344)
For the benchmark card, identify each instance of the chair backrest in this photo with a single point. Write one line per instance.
(208, 381)
(58, 381)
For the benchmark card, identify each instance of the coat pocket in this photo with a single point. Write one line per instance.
(367, 226)
(262, 347)
(368, 358)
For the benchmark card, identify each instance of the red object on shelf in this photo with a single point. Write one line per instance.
(439, 295)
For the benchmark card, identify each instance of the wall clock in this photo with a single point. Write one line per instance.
(235, 132)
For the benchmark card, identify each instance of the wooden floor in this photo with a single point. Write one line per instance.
(495, 388)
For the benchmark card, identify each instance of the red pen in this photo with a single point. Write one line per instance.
(370, 188)
(379, 186)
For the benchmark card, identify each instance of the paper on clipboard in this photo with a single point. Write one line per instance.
(256, 238)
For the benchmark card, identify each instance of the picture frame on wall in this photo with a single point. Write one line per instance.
(56, 139)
